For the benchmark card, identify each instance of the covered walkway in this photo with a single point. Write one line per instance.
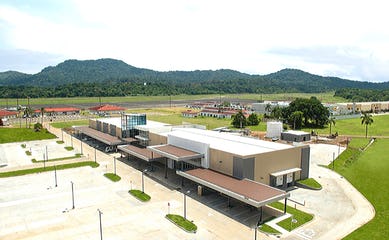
(100, 136)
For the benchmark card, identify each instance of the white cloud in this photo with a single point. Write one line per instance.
(248, 36)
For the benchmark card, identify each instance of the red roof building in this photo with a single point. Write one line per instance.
(106, 108)
(59, 110)
(7, 114)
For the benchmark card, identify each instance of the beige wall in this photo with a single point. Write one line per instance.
(118, 132)
(92, 123)
(156, 139)
(221, 161)
(276, 161)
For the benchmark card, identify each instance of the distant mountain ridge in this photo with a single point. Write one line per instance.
(99, 75)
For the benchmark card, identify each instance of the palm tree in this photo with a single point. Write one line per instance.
(42, 112)
(297, 116)
(367, 119)
(331, 121)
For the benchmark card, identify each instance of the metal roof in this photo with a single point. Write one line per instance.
(142, 153)
(175, 153)
(248, 191)
(100, 136)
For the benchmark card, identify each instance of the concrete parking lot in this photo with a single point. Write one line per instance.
(31, 207)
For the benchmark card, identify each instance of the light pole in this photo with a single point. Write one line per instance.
(101, 228)
(55, 175)
(71, 139)
(72, 193)
(47, 154)
(185, 193)
(62, 134)
(114, 164)
(81, 144)
(95, 155)
(143, 180)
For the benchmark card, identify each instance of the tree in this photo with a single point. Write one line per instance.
(314, 113)
(367, 119)
(239, 120)
(253, 120)
(297, 119)
(38, 127)
(42, 113)
(268, 108)
(331, 121)
(276, 113)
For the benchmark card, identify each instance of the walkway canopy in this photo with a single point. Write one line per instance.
(142, 153)
(100, 136)
(253, 193)
(175, 153)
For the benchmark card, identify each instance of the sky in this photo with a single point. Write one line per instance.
(347, 39)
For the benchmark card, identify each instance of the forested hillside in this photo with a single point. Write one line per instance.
(110, 77)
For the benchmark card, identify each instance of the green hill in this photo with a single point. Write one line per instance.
(110, 77)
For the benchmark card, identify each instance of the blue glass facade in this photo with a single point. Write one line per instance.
(129, 121)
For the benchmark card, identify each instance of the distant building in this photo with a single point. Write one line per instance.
(58, 111)
(220, 112)
(106, 109)
(4, 114)
(189, 114)
(262, 106)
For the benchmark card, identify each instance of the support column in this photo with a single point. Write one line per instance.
(165, 167)
(286, 201)
(260, 215)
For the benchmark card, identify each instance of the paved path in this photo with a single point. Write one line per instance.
(339, 208)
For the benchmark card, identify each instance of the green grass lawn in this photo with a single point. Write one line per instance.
(113, 177)
(8, 135)
(380, 127)
(144, 197)
(310, 182)
(77, 155)
(46, 169)
(267, 229)
(69, 124)
(369, 174)
(300, 216)
(324, 97)
(182, 222)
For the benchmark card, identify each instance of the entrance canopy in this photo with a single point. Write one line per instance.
(142, 153)
(281, 173)
(175, 153)
(253, 193)
(100, 136)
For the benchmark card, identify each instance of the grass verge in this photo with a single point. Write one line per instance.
(69, 148)
(113, 177)
(8, 135)
(60, 142)
(183, 223)
(78, 155)
(310, 183)
(141, 196)
(369, 174)
(300, 216)
(28, 153)
(267, 229)
(46, 169)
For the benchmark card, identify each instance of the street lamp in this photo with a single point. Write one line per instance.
(72, 193)
(114, 164)
(55, 175)
(185, 193)
(143, 181)
(95, 155)
(101, 228)
(293, 220)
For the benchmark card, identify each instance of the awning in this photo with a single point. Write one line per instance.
(100, 136)
(141, 138)
(175, 153)
(248, 191)
(281, 173)
(142, 153)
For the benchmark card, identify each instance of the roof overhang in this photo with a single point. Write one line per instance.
(276, 196)
(100, 136)
(287, 171)
(141, 153)
(175, 153)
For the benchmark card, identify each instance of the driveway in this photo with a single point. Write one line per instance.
(339, 208)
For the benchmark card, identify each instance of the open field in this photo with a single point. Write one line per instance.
(324, 97)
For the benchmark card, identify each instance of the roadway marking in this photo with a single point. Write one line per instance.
(306, 234)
